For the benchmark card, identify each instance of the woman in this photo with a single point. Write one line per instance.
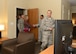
(27, 26)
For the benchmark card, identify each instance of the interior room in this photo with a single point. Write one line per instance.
(9, 9)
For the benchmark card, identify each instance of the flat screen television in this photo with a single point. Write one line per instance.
(63, 32)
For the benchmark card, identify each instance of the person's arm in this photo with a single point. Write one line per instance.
(53, 24)
(28, 25)
(36, 25)
(20, 25)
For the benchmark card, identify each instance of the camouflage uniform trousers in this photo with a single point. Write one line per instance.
(40, 36)
(47, 39)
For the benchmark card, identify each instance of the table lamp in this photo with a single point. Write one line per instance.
(1, 28)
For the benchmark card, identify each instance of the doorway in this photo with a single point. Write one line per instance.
(18, 11)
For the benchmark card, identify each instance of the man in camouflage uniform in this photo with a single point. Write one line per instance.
(40, 30)
(47, 26)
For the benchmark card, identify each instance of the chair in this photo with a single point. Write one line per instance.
(24, 44)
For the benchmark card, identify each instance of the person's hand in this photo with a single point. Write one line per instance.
(34, 25)
(20, 30)
(50, 28)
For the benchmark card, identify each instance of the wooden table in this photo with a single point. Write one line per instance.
(3, 39)
(49, 50)
(74, 43)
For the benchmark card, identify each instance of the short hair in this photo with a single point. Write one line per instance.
(50, 11)
(42, 15)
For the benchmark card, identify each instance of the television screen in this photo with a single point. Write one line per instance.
(63, 33)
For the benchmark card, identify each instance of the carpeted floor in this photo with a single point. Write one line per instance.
(74, 51)
(37, 48)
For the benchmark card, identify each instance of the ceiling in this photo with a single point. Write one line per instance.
(72, 2)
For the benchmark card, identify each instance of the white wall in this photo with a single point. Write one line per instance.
(12, 5)
(66, 10)
(73, 9)
(3, 16)
(44, 5)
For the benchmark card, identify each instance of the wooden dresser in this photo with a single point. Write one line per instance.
(3, 39)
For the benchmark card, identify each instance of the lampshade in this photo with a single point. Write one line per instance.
(1, 27)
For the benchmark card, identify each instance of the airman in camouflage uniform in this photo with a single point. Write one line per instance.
(47, 26)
